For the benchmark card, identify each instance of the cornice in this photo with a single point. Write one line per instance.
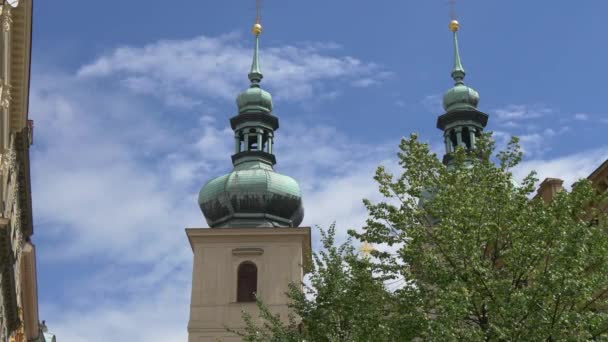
(20, 61)
(600, 173)
(202, 234)
(448, 118)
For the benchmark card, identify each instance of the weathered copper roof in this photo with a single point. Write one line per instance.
(255, 196)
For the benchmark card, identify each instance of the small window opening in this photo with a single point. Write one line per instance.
(247, 282)
(239, 142)
(453, 139)
(466, 137)
(603, 186)
(264, 142)
(252, 144)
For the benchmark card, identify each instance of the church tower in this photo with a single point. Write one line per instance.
(462, 122)
(253, 246)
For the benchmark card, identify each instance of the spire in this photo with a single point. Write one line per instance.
(253, 194)
(255, 99)
(255, 74)
(459, 97)
(462, 123)
(458, 71)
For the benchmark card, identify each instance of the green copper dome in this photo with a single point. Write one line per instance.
(254, 100)
(252, 195)
(459, 97)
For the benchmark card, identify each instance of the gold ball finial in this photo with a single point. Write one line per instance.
(257, 29)
(454, 25)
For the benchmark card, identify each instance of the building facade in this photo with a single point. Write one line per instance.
(18, 285)
(551, 186)
(254, 247)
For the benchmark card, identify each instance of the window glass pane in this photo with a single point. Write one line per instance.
(247, 282)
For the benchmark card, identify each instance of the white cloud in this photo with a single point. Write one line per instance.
(112, 189)
(433, 103)
(536, 144)
(533, 141)
(513, 113)
(115, 176)
(180, 71)
(159, 315)
(372, 80)
(569, 168)
(364, 82)
(334, 172)
(92, 182)
(581, 116)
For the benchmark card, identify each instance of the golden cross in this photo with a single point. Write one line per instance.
(452, 11)
(258, 10)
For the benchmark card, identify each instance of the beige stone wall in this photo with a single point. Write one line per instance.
(549, 188)
(278, 254)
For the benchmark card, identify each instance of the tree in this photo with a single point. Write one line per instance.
(485, 260)
(479, 258)
(344, 301)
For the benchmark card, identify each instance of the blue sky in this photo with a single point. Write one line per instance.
(131, 106)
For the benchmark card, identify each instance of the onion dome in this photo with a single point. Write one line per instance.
(253, 194)
(254, 100)
(459, 97)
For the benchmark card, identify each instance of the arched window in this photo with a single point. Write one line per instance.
(247, 282)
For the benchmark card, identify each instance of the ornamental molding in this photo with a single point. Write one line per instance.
(19, 333)
(244, 251)
(6, 17)
(18, 198)
(11, 157)
(4, 163)
(5, 96)
(12, 198)
(9, 294)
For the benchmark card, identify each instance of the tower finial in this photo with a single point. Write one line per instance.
(458, 73)
(255, 74)
(257, 27)
(452, 11)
